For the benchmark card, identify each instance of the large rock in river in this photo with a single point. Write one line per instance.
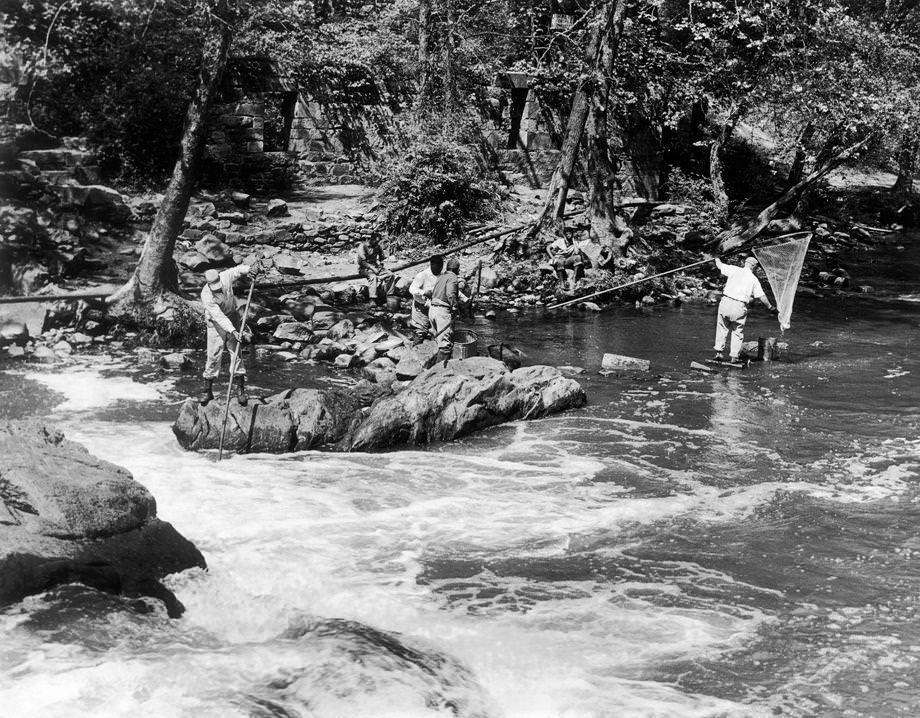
(442, 403)
(448, 401)
(68, 517)
(294, 420)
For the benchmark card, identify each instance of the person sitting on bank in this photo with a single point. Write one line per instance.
(445, 299)
(565, 254)
(741, 288)
(421, 289)
(380, 280)
(222, 319)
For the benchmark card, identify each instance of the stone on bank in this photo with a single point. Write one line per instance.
(68, 517)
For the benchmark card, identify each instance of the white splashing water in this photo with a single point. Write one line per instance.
(292, 538)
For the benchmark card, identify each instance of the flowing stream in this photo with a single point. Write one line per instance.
(734, 544)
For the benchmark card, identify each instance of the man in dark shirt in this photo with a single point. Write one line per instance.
(380, 281)
(445, 298)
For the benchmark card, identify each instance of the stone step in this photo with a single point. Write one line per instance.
(58, 159)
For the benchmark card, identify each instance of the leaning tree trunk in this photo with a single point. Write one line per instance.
(605, 194)
(797, 170)
(739, 234)
(557, 192)
(154, 284)
(903, 188)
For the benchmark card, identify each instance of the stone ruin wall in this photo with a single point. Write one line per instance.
(340, 143)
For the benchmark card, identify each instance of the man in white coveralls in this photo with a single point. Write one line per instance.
(741, 287)
(222, 318)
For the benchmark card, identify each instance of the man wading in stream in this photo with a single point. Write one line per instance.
(222, 318)
(445, 298)
(740, 289)
(421, 289)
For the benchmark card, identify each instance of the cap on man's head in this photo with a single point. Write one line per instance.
(212, 277)
(750, 261)
(453, 264)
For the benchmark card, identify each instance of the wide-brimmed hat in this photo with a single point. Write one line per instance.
(212, 277)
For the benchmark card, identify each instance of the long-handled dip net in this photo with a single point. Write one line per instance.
(782, 263)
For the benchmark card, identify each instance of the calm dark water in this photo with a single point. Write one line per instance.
(733, 544)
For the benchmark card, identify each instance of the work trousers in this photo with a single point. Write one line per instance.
(217, 339)
(732, 315)
(379, 284)
(420, 321)
(441, 319)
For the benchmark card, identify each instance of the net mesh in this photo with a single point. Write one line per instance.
(782, 263)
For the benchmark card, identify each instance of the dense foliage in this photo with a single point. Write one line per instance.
(434, 189)
(802, 78)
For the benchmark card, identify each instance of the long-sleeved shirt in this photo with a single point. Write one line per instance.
(446, 289)
(742, 285)
(422, 285)
(220, 306)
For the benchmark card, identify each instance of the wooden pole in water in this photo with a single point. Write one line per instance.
(628, 284)
(233, 363)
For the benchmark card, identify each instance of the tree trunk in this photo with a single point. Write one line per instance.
(824, 156)
(903, 188)
(450, 83)
(424, 57)
(716, 173)
(797, 170)
(557, 192)
(605, 193)
(716, 177)
(155, 280)
(739, 234)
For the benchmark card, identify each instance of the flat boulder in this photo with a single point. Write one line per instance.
(293, 332)
(287, 264)
(218, 253)
(73, 518)
(277, 208)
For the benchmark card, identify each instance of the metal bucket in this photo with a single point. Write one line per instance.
(465, 343)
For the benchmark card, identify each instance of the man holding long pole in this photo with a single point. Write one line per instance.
(222, 319)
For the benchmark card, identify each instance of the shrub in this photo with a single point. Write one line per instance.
(434, 189)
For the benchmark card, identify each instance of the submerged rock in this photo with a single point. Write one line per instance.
(68, 517)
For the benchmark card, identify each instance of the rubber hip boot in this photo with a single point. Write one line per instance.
(208, 394)
(241, 391)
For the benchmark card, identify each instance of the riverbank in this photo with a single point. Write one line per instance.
(313, 235)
